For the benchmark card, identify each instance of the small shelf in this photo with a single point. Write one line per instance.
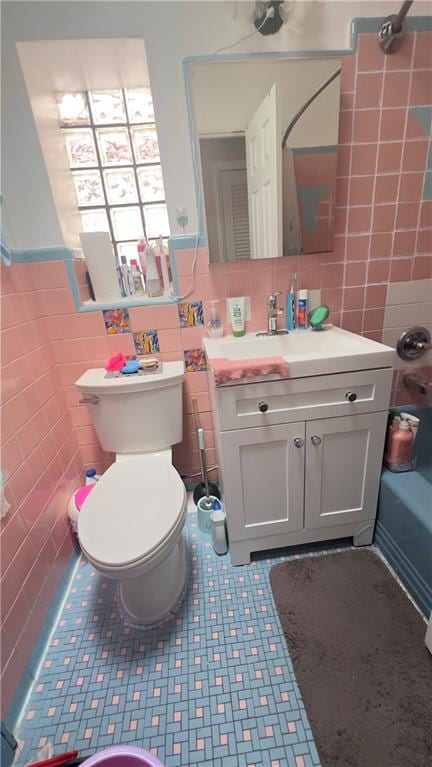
(128, 302)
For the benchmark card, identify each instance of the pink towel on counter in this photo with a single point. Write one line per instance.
(234, 370)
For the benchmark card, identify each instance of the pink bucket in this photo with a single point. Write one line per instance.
(122, 756)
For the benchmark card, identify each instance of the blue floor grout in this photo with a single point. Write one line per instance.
(216, 687)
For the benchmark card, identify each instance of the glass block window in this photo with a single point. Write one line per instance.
(112, 145)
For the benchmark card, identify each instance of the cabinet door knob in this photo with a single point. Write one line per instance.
(351, 396)
(298, 442)
(263, 407)
(316, 440)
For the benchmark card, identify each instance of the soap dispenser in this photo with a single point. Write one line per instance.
(214, 325)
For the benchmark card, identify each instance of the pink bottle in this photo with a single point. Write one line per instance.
(400, 447)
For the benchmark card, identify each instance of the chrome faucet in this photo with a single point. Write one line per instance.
(273, 312)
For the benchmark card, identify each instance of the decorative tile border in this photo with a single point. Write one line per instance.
(191, 314)
(146, 342)
(117, 321)
(195, 361)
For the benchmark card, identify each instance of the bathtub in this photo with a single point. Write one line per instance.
(404, 522)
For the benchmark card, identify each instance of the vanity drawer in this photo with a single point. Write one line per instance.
(303, 398)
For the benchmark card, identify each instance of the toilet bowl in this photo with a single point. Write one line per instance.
(131, 525)
(131, 529)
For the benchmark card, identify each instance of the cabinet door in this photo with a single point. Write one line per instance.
(263, 480)
(343, 467)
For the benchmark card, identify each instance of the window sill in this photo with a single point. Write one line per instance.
(127, 303)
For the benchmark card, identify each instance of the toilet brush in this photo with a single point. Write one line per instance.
(207, 503)
(205, 487)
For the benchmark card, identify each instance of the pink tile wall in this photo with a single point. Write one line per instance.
(403, 396)
(41, 459)
(383, 234)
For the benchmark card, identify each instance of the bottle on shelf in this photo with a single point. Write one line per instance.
(153, 281)
(136, 277)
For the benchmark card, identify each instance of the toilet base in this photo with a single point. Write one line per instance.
(153, 598)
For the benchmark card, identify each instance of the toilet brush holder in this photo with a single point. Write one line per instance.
(205, 509)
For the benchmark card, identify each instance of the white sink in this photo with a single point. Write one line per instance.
(308, 352)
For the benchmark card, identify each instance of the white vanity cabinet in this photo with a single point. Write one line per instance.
(300, 459)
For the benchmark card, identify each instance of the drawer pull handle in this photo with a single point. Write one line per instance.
(89, 399)
(298, 442)
(351, 396)
(263, 407)
(316, 440)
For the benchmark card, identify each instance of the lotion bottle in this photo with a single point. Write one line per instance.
(400, 447)
(237, 315)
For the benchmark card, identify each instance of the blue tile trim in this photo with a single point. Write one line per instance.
(35, 255)
(423, 115)
(183, 241)
(39, 649)
(73, 284)
(427, 187)
(8, 746)
(410, 577)
(330, 149)
(371, 24)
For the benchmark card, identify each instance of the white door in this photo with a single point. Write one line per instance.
(343, 467)
(263, 474)
(264, 175)
(233, 224)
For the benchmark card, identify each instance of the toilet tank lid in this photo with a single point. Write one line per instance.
(95, 380)
(131, 510)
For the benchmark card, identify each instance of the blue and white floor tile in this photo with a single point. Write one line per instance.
(215, 688)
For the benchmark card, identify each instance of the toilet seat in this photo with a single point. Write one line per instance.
(136, 510)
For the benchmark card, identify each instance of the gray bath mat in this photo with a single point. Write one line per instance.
(357, 646)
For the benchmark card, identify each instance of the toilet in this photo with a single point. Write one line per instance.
(131, 526)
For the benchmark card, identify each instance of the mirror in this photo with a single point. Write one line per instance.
(267, 131)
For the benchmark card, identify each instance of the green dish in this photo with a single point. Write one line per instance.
(318, 316)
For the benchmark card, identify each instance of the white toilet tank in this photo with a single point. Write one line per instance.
(137, 413)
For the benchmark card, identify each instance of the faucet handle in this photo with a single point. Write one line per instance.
(272, 299)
